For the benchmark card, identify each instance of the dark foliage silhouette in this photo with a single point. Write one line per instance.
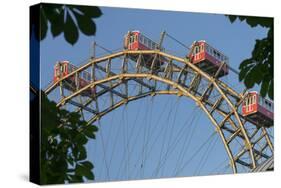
(63, 139)
(258, 69)
(66, 19)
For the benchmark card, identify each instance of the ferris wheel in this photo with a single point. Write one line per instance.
(160, 115)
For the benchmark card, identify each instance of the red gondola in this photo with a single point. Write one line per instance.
(134, 40)
(208, 58)
(258, 109)
(63, 68)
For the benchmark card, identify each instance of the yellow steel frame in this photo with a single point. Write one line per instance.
(170, 72)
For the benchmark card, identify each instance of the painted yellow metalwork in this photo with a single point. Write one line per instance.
(221, 87)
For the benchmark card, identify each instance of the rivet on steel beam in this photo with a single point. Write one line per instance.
(125, 101)
(231, 163)
(248, 145)
(216, 129)
(98, 117)
(179, 93)
(121, 77)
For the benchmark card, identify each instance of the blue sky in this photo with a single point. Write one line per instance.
(235, 40)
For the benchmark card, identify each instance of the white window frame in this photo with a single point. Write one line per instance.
(57, 71)
(141, 39)
(149, 43)
(266, 104)
(196, 49)
(270, 106)
(247, 104)
(153, 45)
(212, 51)
(145, 41)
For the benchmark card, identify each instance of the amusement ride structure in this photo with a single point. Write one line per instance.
(244, 116)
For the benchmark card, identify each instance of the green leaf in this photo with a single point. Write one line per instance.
(266, 22)
(89, 175)
(241, 18)
(80, 139)
(70, 30)
(252, 21)
(82, 153)
(70, 160)
(89, 11)
(264, 87)
(232, 18)
(270, 90)
(87, 164)
(75, 152)
(57, 24)
(79, 170)
(242, 74)
(89, 131)
(245, 63)
(249, 81)
(91, 135)
(86, 25)
(256, 73)
(84, 171)
(74, 118)
(253, 76)
(51, 11)
(75, 179)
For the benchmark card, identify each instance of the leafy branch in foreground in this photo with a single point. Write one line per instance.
(258, 69)
(63, 139)
(66, 19)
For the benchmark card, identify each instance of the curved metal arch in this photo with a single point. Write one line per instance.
(153, 52)
(151, 76)
(225, 92)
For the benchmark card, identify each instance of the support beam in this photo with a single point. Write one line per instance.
(82, 106)
(135, 79)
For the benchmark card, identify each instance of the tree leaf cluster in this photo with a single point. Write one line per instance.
(66, 19)
(63, 139)
(258, 69)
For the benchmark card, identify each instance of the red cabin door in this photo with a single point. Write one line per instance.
(196, 53)
(57, 71)
(132, 40)
(250, 103)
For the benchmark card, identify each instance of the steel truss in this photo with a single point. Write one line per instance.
(149, 70)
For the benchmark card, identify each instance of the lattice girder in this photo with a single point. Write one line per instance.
(116, 73)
